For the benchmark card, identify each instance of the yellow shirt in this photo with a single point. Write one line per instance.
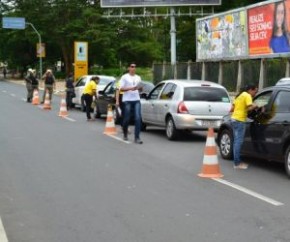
(118, 87)
(90, 88)
(241, 104)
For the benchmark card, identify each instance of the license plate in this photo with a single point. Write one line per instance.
(208, 123)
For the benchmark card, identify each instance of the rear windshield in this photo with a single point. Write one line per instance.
(210, 94)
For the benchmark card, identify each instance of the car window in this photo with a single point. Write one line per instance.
(210, 94)
(155, 92)
(263, 99)
(81, 82)
(281, 103)
(104, 81)
(110, 88)
(148, 87)
(168, 91)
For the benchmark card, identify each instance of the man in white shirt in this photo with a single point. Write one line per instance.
(130, 84)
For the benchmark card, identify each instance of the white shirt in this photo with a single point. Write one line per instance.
(128, 80)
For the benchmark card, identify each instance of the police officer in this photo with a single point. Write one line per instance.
(29, 79)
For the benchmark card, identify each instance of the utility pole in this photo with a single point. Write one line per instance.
(40, 55)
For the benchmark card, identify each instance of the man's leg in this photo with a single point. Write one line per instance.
(88, 101)
(137, 117)
(126, 118)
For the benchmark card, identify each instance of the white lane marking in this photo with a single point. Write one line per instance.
(23, 99)
(70, 119)
(249, 192)
(4, 91)
(3, 236)
(12, 95)
(118, 138)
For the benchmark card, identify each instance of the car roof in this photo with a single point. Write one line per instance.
(283, 81)
(190, 83)
(101, 76)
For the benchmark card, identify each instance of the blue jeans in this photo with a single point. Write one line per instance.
(239, 134)
(129, 107)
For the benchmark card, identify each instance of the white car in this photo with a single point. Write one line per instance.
(84, 80)
(185, 105)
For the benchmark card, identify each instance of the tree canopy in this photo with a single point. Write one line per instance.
(112, 41)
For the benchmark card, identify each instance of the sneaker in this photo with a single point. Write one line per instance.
(125, 138)
(90, 119)
(241, 166)
(138, 141)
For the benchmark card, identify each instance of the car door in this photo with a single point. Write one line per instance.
(257, 129)
(164, 102)
(278, 125)
(106, 97)
(79, 87)
(148, 109)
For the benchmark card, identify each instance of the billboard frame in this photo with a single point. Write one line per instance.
(152, 3)
(248, 56)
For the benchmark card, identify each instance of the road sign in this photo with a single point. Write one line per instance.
(13, 23)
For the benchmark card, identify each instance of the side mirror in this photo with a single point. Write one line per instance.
(101, 92)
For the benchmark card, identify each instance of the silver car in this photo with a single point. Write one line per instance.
(185, 105)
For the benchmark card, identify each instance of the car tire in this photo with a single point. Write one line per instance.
(97, 113)
(226, 143)
(287, 161)
(116, 116)
(171, 131)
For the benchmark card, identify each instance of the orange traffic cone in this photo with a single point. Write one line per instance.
(35, 99)
(110, 124)
(210, 168)
(63, 110)
(46, 104)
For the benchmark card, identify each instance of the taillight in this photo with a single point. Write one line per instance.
(182, 108)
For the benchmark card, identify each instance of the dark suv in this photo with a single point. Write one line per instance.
(107, 97)
(267, 133)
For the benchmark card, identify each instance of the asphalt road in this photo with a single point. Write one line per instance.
(63, 180)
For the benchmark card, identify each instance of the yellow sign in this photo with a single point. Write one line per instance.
(40, 50)
(81, 59)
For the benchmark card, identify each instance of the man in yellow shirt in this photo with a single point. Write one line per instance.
(242, 104)
(89, 92)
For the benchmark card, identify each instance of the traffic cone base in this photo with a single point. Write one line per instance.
(46, 104)
(110, 124)
(63, 110)
(210, 168)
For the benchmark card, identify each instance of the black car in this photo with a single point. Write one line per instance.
(267, 131)
(107, 97)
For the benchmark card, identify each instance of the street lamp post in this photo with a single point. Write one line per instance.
(39, 40)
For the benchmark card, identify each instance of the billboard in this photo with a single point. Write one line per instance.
(264, 32)
(222, 36)
(80, 59)
(268, 29)
(155, 3)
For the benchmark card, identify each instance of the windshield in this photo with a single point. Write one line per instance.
(210, 94)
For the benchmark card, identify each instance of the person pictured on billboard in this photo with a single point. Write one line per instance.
(279, 42)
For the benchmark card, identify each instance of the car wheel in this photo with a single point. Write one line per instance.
(97, 113)
(171, 131)
(116, 116)
(287, 161)
(226, 143)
